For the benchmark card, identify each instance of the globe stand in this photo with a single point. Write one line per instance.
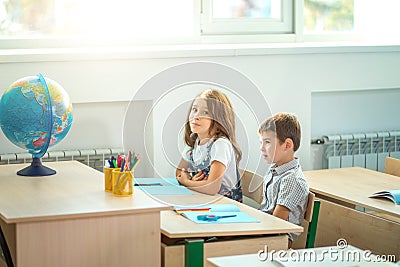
(36, 169)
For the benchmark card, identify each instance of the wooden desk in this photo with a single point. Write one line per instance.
(244, 237)
(340, 191)
(68, 220)
(254, 260)
(354, 186)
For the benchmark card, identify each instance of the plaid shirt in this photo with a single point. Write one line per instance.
(285, 185)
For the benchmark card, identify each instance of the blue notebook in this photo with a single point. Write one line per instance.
(161, 186)
(216, 214)
(155, 181)
(209, 208)
(165, 190)
(239, 217)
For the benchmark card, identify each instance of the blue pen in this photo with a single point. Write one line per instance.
(213, 217)
(123, 165)
(111, 161)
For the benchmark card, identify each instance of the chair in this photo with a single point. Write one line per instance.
(311, 216)
(392, 166)
(252, 188)
(4, 250)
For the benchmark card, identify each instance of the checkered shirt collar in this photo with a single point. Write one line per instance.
(285, 167)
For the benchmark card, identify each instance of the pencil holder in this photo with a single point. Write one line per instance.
(108, 178)
(122, 183)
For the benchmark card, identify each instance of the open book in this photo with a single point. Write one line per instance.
(215, 214)
(393, 195)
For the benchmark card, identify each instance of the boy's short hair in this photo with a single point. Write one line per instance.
(285, 125)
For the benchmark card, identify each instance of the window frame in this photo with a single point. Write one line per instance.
(198, 37)
(246, 26)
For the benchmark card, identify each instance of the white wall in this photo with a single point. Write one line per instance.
(287, 80)
(371, 111)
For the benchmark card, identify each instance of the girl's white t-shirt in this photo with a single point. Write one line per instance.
(222, 151)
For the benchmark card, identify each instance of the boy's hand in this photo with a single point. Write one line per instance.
(199, 176)
(281, 212)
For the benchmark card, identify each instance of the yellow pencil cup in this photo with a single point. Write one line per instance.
(108, 178)
(122, 183)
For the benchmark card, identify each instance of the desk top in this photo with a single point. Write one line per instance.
(75, 191)
(177, 226)
(355, 185)
(322, 256)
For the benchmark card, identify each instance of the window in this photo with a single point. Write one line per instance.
(103, 20)
(328, 16)
(56, 23)
(246, 16)
(365, 19)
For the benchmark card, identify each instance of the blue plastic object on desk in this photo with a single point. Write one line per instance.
(213, 217)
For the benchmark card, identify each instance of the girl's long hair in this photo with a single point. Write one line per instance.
(222, 120)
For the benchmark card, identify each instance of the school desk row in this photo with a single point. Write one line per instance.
(68, 220)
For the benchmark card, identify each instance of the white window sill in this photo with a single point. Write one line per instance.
(187, 51)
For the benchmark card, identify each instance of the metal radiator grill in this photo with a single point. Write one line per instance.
(368, 150)
(92, 157)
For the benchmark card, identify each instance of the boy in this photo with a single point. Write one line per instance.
(285, 190)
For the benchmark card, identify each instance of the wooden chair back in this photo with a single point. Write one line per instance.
(392, 166)
(310, 207)
(252, 185)
(311, 215)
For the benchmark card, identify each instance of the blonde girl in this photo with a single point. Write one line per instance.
(210, 159)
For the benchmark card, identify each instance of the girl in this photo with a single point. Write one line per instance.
(210, 159)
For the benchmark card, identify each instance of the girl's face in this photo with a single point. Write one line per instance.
(272, 150)
(199, 118)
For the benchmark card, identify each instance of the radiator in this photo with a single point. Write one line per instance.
(92, 157)
(368, 150)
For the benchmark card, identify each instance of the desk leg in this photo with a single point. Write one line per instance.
(194, 252)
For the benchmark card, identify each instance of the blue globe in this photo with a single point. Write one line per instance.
(35, 114)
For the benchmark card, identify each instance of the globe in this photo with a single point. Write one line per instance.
(35, 114)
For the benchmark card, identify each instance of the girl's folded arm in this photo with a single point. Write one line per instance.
(183, 165)
(211, 185)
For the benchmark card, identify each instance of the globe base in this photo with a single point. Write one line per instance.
(36, 169)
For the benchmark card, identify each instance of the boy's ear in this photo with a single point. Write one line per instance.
(288, 143)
